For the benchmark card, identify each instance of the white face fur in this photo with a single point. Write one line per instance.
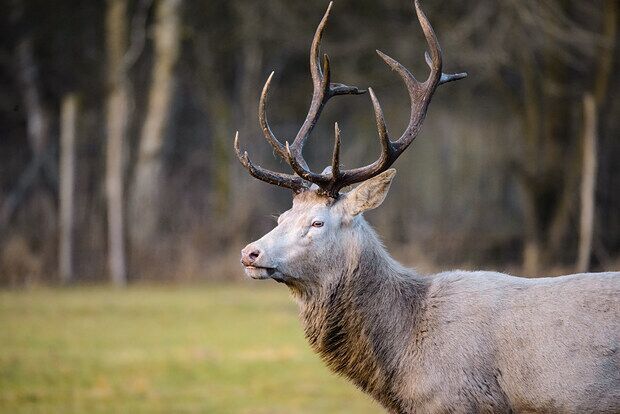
(302, 232)
(311, 237)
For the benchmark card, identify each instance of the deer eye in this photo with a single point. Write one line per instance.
(317, 223)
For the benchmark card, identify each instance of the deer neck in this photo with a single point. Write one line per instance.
(362, 320)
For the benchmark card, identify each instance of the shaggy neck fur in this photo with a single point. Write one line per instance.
(362, 320)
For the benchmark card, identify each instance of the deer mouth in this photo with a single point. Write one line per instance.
(259, 272)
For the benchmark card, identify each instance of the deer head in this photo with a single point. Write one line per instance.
(318, 233)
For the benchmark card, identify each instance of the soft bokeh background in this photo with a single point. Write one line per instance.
(117, 169)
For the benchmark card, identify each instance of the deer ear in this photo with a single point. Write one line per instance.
(369, 194)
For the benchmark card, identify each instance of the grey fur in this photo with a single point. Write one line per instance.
(453, 342)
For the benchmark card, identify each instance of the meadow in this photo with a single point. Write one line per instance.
(195, 349)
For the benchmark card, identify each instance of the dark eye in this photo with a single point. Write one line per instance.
(317, 223)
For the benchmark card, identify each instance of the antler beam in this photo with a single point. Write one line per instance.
(331, 181)
(293, 182)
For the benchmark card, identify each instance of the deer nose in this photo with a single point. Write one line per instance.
(249, 255)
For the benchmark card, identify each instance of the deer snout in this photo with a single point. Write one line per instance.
(249, 255)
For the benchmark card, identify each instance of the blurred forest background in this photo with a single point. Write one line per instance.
(117, 120)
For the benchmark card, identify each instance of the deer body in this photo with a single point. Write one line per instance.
(454, 342)
(459, 342)
(472, 341)
(464, 342)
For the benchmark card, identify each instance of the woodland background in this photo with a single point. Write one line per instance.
(117, 121)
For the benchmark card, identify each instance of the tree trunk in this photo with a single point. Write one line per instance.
(588, 183)
(68, 127)
(37, 124)
(38, 120)
(145, 202)
(249, 80)
(530, 168)
(117, 120)
(549, 188)
(532, 243)
(607, 213)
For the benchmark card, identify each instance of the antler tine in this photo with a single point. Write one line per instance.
(419, 96)
(341, 179)
(264, 124)
(315, 49)
(302, 170)
(384, 138)
(318, 73)
(328, 180)
(293, 182)
(445, 77)
(320, 82)
(336, 153)
(433, 44)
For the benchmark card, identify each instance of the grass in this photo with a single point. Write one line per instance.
(220, 349)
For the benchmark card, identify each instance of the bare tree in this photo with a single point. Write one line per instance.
(37, 119)
(145, 202)
(588, 183)
(531, 61)
(68, 133)
(539, 54)
(117, 112)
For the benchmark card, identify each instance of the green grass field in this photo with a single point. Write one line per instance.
(218, 349)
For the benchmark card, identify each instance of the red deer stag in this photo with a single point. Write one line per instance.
(453, 342)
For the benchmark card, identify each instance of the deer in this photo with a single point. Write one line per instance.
(451, 342)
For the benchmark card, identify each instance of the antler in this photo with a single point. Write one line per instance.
(323, 91)
(331, 181)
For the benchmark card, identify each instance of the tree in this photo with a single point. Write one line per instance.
(540, 54)
(37, 116)
(69, 116)
(117, 118)
(148, 174)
